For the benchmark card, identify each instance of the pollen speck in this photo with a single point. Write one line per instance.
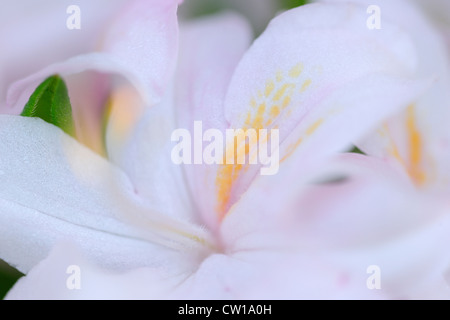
(259, 117)
(270, 85)
(286, 102)
(279, 76)
(296, 71)
(305, 85)
(274, 111)
(280, 93)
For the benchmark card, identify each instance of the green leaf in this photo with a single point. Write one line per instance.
(355, 149)
(8, 277)
(50, 102)
(290, 4)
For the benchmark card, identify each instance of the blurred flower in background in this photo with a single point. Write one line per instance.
(438, 11)
(258, 12)
(139, 226)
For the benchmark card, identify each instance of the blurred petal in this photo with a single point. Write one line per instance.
(250, 275)
(144, 42)
(309, 199)
(145, 154)
(209, 50)
(352, 215)
(408, 264)
(439, 11)
(370, 216)
(418, 138)
(89, 92)
(393, 226)
(50, 278)
(272, 275)
(141, 45)
(34, 34)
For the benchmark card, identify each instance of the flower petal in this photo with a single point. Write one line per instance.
(53, 188)
(418, 138)
(141, 45)
(439, 10)
(393, 226)
(289, 81)
(67, 274)
(268, 274)
(209, 50)
(254, 275)
(370, 216)
(36, 37)
(142, 148)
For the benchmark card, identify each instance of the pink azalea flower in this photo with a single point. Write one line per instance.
(140, 226)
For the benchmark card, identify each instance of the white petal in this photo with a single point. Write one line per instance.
(53, 188)
(67, 274)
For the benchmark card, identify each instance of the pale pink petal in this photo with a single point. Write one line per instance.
(410, 264)
(418, 138)
(369, 215)
(378, 218)
(252, 275)
(34, 34)
(320, 78)
(141, 46)
(273, 275)
(209, 50)
(89, 93)
(372, 203)
(144, 153)
(56, 278)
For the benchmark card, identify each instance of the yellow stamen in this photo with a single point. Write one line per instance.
(415, 169)
(270, 85)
